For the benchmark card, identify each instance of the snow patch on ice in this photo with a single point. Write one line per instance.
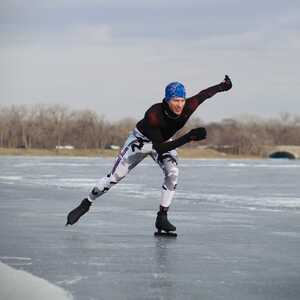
(51, 164)
(238, 165)
(288, 233)
(14, 178)
(14, 258)
(18, 284)
(71, 281)
(274, 202)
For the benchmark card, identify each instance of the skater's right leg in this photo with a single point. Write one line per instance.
(104, 184)
(102, 187)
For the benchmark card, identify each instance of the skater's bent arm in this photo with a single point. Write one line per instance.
(163, 147)
(196, 134)
(154, 133)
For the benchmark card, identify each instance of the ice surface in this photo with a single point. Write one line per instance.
(237, 221)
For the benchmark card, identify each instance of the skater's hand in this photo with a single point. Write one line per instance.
(226, 84)
(197, 134)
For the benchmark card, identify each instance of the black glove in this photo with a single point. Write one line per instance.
(226, 84)
(197, 134)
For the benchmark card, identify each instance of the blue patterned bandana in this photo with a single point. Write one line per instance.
(174, 90)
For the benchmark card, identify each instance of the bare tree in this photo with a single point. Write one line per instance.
(46, 126)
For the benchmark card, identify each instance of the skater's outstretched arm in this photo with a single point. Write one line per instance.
(161, 122)
(196, 100)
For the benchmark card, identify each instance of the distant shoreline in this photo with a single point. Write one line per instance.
(184, 153)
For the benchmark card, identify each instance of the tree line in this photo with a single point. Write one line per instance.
(48, 126)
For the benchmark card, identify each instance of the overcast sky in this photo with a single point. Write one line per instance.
(115, 57)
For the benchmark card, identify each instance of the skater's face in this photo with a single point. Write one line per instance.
(176, 105)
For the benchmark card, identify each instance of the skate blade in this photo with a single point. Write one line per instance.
(68, 224)
(165, 234)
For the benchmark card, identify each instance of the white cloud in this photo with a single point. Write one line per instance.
(87, 34)
(96, 55)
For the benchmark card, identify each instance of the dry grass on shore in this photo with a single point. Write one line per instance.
(183, 152)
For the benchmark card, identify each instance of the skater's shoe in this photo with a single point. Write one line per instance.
(162, 222)
(79, 211)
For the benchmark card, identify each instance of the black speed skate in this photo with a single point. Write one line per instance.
(164, 227)
(79, 211)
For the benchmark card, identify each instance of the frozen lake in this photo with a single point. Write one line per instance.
(238, 224)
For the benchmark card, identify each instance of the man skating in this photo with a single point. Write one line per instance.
(152, 136)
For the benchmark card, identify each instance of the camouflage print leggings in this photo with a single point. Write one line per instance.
(136, 148)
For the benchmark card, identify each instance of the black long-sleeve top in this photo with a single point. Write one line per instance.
(160, 123)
